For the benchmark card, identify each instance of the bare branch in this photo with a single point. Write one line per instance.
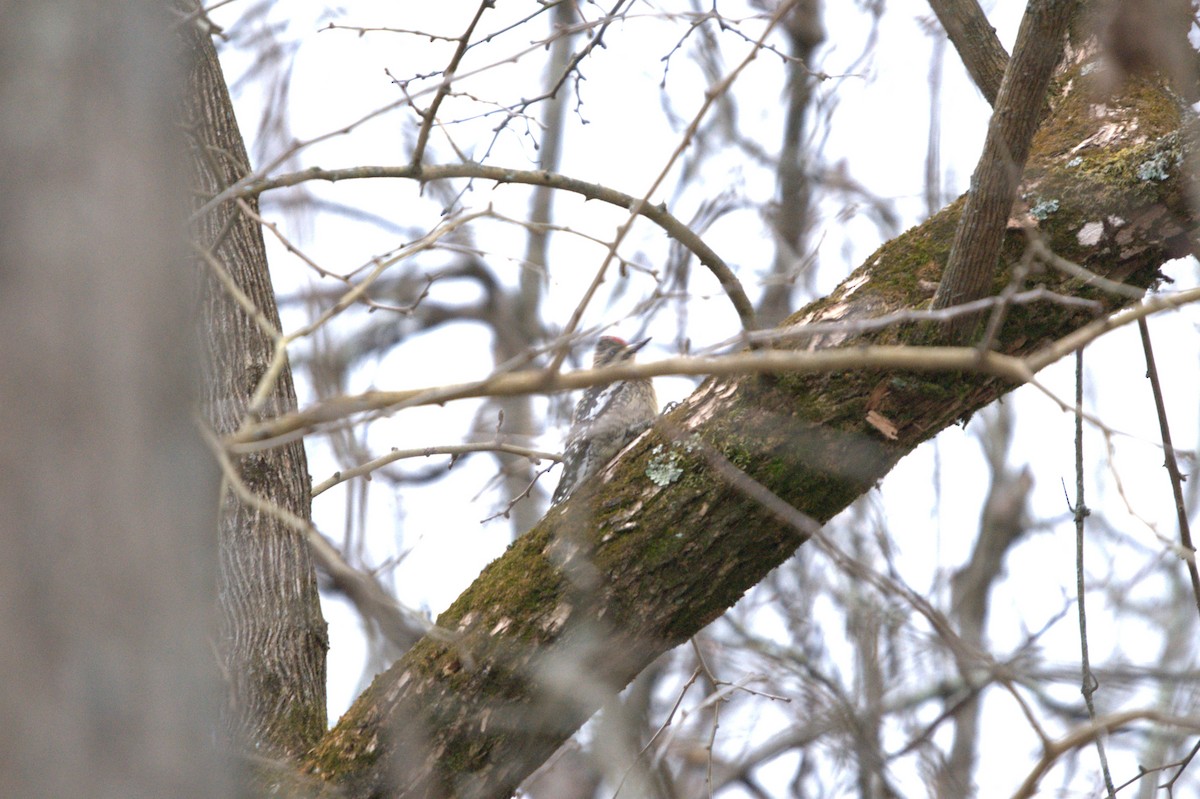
(657, 214)
(400, 625)
(1090, 684)
(976, 42)
(1086, 733)
(877, 357)
(1170, 462)
(711, 96)
(425, 452)
(1019, 106)
(429, 115)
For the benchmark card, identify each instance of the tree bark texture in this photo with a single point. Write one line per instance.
(108, 686)
(272, 639)
(975, 39)
(660, 545)
(1018, 111)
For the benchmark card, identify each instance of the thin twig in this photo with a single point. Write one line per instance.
(279, 361)
(236, 294)
(1093, 330)
(1090, 684)
(709, 746)
(667, 723)
(657, 214)
(1169, 785)
(851, 327)
(429, 115)
(403, 626)
(284, 240)
(1169, 461)
(365, 469)
(710, 97)
(1067, 267)
(1004, 300)
(1082, 735)
(528, 492)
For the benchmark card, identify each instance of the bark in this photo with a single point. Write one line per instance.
(272, 638)
(109, 686)
(976, 42)
(661, 544)
(1018, 110)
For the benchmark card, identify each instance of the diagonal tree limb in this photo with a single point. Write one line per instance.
(975, 40)
(658, 546)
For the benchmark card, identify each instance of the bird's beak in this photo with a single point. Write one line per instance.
(637, 345)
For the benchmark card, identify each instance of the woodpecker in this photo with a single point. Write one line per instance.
(606, 418)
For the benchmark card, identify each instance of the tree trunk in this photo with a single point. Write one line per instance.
(106, 579)
(272, 639)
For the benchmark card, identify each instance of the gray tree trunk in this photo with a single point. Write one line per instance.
(272, 638)
(108, 685)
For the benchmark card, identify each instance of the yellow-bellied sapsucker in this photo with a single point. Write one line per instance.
(606, 418)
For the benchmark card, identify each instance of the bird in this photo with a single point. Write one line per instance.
(606, 418)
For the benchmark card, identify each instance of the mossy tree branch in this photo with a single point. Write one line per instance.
(660, 544)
